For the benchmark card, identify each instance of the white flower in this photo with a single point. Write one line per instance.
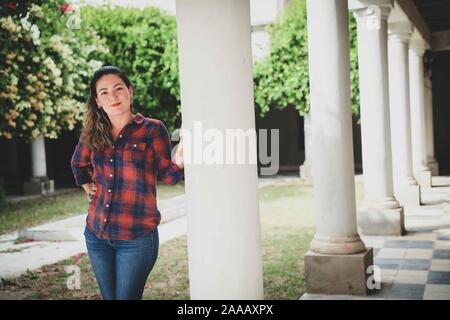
(94, 64)
(14, 80)
(74, 21)
(23, 105)
(35, 133)
(8, 24)
(58, 81)
(35, 33)
(66, 52)
(50, 64)
(56, 72)
(37, 11)
(89, 49)
(25, 23)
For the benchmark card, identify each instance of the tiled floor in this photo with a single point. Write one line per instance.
(417, 265)
(412, 269)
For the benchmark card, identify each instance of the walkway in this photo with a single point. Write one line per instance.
(60, 240)
(417, 265)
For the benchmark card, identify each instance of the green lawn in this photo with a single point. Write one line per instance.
(16, 216)
(287, 228)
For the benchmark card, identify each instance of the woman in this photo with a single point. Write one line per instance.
(117, 161)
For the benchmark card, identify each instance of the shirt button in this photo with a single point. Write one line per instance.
(104, 220)
(111, 160)
(109, 190)
(110, 175)
(107, 205)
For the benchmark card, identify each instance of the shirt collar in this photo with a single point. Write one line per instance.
(137, 118)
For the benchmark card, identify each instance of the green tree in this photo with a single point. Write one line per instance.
(143, 43)
(281, 79)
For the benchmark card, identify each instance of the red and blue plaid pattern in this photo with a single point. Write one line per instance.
(124, 205)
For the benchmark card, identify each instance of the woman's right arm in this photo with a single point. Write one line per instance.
(82, 168)
(90, 190)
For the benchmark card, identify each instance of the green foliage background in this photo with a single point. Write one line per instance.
(281, 79)
(44, 76)
(142, 43)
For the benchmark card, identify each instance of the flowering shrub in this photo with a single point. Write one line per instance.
(45, 66)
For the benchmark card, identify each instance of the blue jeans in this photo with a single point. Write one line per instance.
(122, 267)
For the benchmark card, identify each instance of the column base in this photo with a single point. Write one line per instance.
(338, 274)
(408, 195)
(423, 178)
(434, 167)
(39, 185)
(386, 222)
(305, 172)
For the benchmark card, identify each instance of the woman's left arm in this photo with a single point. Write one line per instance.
(170, 170)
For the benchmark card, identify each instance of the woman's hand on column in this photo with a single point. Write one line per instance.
(178, 158)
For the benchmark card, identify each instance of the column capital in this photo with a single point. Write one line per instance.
(417, 45)
(374, 9)
(400, 31)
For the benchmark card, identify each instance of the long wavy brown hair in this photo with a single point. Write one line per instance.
(96, 124)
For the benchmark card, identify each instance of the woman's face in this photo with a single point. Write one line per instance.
(113, 95)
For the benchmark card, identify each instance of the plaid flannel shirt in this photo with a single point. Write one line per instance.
(124, 205)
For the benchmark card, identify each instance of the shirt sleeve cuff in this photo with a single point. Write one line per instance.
(82, 177)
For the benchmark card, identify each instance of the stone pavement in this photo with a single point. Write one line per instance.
(56, 241)
(415, 266)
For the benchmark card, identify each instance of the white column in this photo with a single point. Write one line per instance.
(39, 183)
(38, 168)
(406, 188)
(429, 126)
(382, 214)
(281, 4)
(222, 204)
(306, 167)
(417, 95)
(337, 252)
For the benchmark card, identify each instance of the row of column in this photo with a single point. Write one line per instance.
(216, 88)
(382, 213)
(394, 140)
(393, 117)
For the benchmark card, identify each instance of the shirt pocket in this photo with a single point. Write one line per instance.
(135, 152)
